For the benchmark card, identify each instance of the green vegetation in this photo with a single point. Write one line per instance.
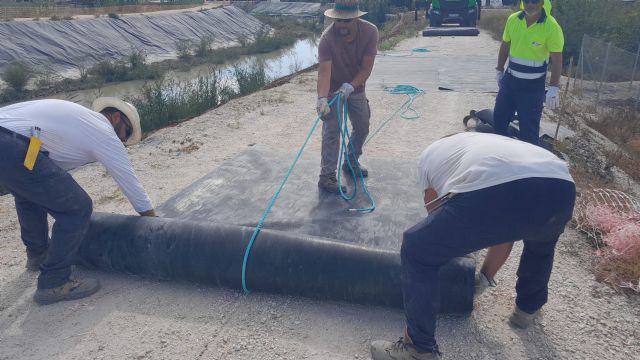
(134, 68)
(376, 10)
(250, 78)
(16, 75)
(167, 102)
(113, 16)
(608, 20)
(397, 30)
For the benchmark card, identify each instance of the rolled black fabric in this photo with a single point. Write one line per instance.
(450, 31)
(279, 262)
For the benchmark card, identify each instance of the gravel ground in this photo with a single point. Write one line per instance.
(137, 318)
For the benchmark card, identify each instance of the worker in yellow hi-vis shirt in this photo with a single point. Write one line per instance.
(531, 38)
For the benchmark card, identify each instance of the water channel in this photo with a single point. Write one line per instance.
(302, 54)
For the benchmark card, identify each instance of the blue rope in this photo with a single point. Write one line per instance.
(343, 112)
(273, 200)
(406, 53)
(343, 116)
(407, 107)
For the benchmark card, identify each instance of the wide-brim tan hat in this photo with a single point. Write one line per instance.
(127, 109)
(345, 9)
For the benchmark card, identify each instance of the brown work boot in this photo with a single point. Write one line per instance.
(71, 290)
(330, 184)
(521, 319)
(355, 165)
(34, 262)
(399, 350)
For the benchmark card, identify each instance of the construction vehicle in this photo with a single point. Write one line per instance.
(461, 12)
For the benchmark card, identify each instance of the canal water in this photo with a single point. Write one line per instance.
(302, 54)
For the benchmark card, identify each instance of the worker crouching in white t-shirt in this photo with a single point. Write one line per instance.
(481, 190)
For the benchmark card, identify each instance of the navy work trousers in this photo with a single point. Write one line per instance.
(534, 210)
(47, 189)
(525, 97)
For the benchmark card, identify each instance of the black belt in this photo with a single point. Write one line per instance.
(14, 134)
(21, 137)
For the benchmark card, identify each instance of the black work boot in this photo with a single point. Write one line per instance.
(34, 262)
(330, 184)
(355, 165)
(71, 290)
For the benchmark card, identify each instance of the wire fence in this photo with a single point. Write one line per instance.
(608, 74)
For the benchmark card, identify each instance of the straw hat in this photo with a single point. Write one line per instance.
(127, 109)
(345, 9)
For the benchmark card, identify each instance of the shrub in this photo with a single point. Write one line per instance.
(608, 20)
(250, 78)
(16, 75)
(203, 48)
(183, 49)
(113, 16)
(166, 102)
(376, 10)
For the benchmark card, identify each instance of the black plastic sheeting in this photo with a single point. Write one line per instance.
(310, 245)
(280, 262)
(450, 31)
(68, 44)
(268, 8)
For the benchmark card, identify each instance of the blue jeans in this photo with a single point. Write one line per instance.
(47, 189)
(525, 97)
(534, 210)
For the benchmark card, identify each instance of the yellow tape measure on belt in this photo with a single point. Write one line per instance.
(34, 148)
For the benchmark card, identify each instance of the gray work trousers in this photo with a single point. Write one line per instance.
(359, 114)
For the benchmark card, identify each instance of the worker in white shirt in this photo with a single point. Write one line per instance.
(39, 142)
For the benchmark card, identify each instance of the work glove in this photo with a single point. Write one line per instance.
(553, 97)
(346, 89)
(499, 76)
(322, 106)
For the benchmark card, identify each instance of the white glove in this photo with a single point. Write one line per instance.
(322, 106)
(553, 97)
(499, 76)
(346, 89)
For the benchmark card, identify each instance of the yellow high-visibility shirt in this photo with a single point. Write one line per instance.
(536, 41)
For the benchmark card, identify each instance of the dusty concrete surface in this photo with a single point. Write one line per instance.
(136, 318)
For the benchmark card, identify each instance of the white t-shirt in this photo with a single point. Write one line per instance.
(472, 161)
(74, 135)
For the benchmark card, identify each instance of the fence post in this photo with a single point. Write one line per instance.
(604, 70)
(564, 98)
(581, 67)
(635, 66)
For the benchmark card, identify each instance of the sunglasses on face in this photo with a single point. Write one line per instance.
(350, 20)
(128, 129)
(531, 1)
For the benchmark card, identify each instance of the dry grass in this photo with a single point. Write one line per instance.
(619, 271)
(493, 21)
(622, 126)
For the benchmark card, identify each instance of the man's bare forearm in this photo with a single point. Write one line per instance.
(556, 68)
(503, 55)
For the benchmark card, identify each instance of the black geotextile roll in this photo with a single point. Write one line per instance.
(450, 31)
(279, 262)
